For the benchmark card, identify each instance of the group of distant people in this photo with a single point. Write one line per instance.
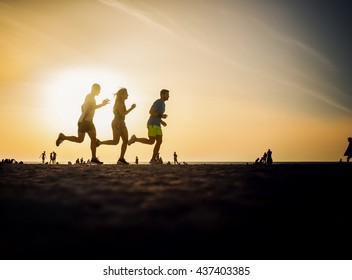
(118, 125)
(52, 157)
(10, 161)
(265, 159)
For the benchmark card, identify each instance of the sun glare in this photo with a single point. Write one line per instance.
(67, 89)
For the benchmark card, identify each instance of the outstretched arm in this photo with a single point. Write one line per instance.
(130, 109)
(105, 102)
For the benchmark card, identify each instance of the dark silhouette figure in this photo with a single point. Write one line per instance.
(175, 158)
(137, 160)
(263, 159)
(348, 152)
(10, 161)
(154, 126)
(118, 124)
(43, 157)
(269, 159)
(52, 157)
(85, 123)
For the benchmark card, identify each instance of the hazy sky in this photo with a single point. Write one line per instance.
(244, 76)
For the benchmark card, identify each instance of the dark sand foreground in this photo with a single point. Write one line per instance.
(284, 211)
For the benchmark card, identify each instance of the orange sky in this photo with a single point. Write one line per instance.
(241, 80)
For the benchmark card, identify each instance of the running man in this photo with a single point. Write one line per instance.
(118, 124)
(85, 123)
(154, 123)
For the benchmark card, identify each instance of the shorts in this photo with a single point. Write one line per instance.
(118, 124)
(154, 130)
(85, 126)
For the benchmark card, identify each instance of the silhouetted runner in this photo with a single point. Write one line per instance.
(154, 123)
(85, 123)
(118, 124)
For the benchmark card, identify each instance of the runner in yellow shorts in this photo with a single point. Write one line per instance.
(154, 130)
(155, 121)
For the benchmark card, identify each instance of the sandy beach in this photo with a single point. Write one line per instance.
(205, 211)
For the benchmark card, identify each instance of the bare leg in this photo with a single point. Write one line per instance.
(93, 143)
(76, 139)
(124, 136)
(149, 141)
(159, 140)
(116, 138)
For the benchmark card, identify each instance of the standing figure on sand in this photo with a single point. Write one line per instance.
(175, 158)
(348, 152)
(118, 124)
(43, 156)
(52, 157)
(85, 123)
(269, 159)
(155, 134)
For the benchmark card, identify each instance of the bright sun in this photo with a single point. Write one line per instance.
(67, 89)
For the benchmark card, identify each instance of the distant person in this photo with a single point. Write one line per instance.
(269, 159)
(54, 157)
(137, 160)
(348, 152)
(43, 156)
(85, 123)
(175, 158)
(154, 123)
(263, 159)
(118, 124)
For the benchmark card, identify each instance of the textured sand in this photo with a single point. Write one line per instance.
(175, 212)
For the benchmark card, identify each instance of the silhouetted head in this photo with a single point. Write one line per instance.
(121, 94)
(96, 89)
(349, 139)
(164, 94)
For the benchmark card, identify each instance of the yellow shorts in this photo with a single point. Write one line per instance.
(154, 130)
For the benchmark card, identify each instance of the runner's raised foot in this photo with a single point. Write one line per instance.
(132, 140)
(59, 139)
